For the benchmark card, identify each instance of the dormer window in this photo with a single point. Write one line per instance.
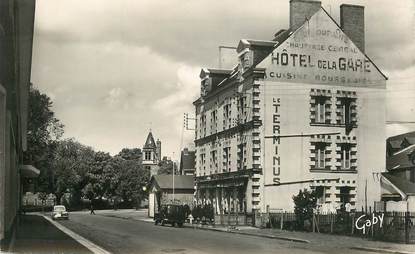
(206, 86)
(246, 60)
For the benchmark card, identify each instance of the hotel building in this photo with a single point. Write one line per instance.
(305, 109)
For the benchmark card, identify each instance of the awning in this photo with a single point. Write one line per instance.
(29, 171)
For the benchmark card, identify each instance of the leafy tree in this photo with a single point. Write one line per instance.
(71, 162)
(95, 177)
(130, 154)
(304, 204)
(132, 178)
(166, 167)
(43, 131)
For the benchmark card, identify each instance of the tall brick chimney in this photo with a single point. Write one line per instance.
(352, 22)
(301, 10)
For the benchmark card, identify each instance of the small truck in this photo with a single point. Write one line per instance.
(171, 214)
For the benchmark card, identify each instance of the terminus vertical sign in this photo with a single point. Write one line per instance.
(276, 132)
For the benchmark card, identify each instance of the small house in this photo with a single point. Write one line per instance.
(164, 189)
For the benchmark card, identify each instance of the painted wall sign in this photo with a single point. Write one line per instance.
(319, 52)
(276, 131)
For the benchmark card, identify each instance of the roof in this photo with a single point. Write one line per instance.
(150, 141)
(410, 140)
(166, 181)
(244, 43)
(188, 159)
(400, 183)
(401, 137)
(401, 159)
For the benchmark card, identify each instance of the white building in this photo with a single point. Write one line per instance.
(303, 110)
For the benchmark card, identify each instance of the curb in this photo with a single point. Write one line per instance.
(380, 250)
(224, 231)
(253, 234)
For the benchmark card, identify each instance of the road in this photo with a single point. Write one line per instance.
(130, 236)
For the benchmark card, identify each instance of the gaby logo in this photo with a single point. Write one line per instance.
(362, 223)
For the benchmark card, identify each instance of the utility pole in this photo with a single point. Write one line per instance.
(173, 176)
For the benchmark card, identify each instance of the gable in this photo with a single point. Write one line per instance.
(149, 141)
(320, 52)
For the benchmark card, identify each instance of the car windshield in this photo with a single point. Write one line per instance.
(59, 209)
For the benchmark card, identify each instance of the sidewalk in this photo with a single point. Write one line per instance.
(34, 234)
(315, 239)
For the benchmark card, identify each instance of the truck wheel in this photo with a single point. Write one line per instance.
(180, 224)
(173, 224)
(156, 222)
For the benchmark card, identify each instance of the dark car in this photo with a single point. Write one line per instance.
(171, 214)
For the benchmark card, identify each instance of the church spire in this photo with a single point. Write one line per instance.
(150, 143)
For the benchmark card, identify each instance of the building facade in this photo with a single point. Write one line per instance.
(305, 109)
(187, 162)
(151, 154)
(16, 39)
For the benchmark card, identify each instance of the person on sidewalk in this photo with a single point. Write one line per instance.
(92, 209)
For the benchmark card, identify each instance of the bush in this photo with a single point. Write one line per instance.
(305, 203)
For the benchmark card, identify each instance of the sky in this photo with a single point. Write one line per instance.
(116, 69)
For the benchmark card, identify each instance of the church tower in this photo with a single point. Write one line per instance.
(151, 154)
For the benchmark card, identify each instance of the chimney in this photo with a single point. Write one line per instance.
(302, 10)
(352, 22)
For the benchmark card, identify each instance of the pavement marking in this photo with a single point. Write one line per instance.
(85, 242)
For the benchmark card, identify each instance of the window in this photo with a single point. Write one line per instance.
(346, 108)
(241, 156)
(246, 60)
(147, 155)
(345, 111)
(226, 116)
(213, 162)
(345, 156)
(320, 155)
(213, 121)
(226, 159)
(320, 107)
(320, 111)
(320, 194)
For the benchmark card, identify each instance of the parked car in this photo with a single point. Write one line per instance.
(170, 214)
(59, 212)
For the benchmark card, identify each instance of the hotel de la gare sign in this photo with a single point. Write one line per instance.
(319, 52)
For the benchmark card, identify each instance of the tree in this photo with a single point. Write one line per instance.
(304, 204)
(166, 167)
(43, 131)
(71, 164)
(130, 154)
(133, 177)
